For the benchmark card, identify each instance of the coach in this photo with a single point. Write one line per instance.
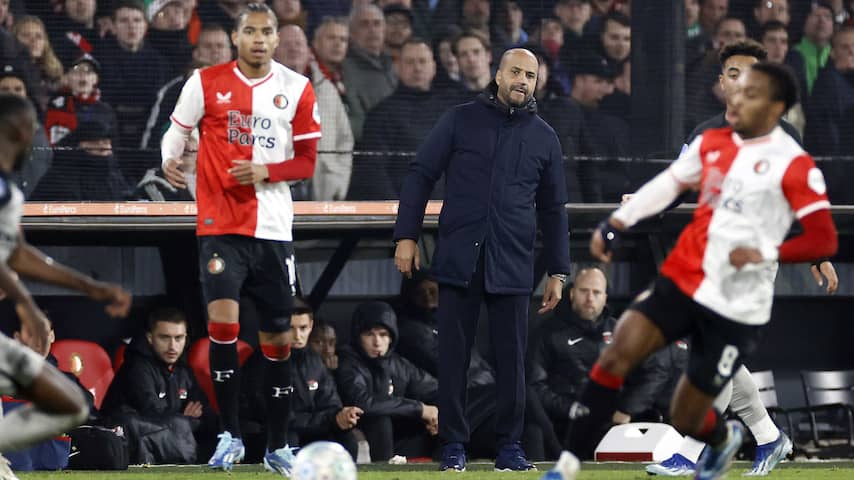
(504, 174)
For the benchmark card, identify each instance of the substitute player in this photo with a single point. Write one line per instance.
(717, 284)
(258, 129)
(57, 404)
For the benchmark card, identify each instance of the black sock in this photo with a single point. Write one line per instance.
(277, 392)
(714, 431)
(583, 433)
(225, 372)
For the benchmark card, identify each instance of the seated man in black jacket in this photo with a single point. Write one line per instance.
(316, 409)
(397, 398)
(156, 397)
(565, 346)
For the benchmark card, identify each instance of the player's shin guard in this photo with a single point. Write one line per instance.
(225, 373)
(713, 431)
(593, 411)
(277, 392)
(25, 426)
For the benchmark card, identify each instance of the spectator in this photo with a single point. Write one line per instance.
(419, 343)
(368, 72)
(84, 168)
(80, 102)
(30, 31)
(73, 30)
(14, 81)
(775, 38)
(324, 341)
(566, 345)
(692, 19)
(619, 102)
(155, 394)
(50, 454)
(398, 29)
(334, 166)
(169, 22)
(317, 410)
(602, 7)
(213, 47)
(765, 11)
(134, 73)
(431, 18)
(399, 123)
(811, 53)
(830, 111)
(513, 22)
(448, 68)
(474, 56)
(711, 14)
(616, 38)
(290, 12)
(729, 31)
(398, 399)
(476, 17)
(573, 15)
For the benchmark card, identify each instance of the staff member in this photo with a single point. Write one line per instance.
(504, 176)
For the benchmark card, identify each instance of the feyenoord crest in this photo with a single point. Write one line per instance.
(280, 101)
(216, 265)
(606, 337)
(761, 166)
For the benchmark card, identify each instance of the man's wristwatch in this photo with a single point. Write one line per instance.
(559, 276)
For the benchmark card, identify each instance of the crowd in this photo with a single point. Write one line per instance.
(105, 75)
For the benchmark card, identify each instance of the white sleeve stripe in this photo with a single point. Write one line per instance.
(306, 136)
(811, 208)
(175, 121)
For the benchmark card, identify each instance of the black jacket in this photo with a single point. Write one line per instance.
(504, 177)
(146, 386)
(399, 123)
(315, 401)
(385, 386)
(564, 349)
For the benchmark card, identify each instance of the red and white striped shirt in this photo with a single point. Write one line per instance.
(246, 119)
(750, 193)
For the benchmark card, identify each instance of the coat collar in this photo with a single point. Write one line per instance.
(489, 97)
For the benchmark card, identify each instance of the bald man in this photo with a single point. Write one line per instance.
(504, 177)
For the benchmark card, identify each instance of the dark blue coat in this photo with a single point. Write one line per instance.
(504, 174)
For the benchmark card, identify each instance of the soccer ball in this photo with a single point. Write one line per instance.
(324, 461)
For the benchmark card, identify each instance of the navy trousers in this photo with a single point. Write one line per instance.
(459, 309)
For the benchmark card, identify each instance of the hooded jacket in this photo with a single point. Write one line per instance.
(504, 177)
(315, 401)
(386, 386)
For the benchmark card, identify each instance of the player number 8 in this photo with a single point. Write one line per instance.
(728, 357)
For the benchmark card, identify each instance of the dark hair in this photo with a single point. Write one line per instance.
(747, 48)
(213, 28)
(588, 267)
(772, 26)
(618, 17)
(251, 8)
(826, 4)
(165, 314)
(302, 307)
(728, 18)
(782, 82)
(132, 4)
(416, 41)
(471, 34)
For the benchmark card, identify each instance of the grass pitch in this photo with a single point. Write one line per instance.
(476, 471)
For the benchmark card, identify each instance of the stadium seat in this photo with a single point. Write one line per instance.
(119, 357)
(200, 363)
(830, 409)
(88, 362)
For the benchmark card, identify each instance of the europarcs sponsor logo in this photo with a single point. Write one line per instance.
(239, 122)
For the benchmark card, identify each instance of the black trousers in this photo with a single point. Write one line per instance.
(459, 309)
(399, 436)
(346, 438)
